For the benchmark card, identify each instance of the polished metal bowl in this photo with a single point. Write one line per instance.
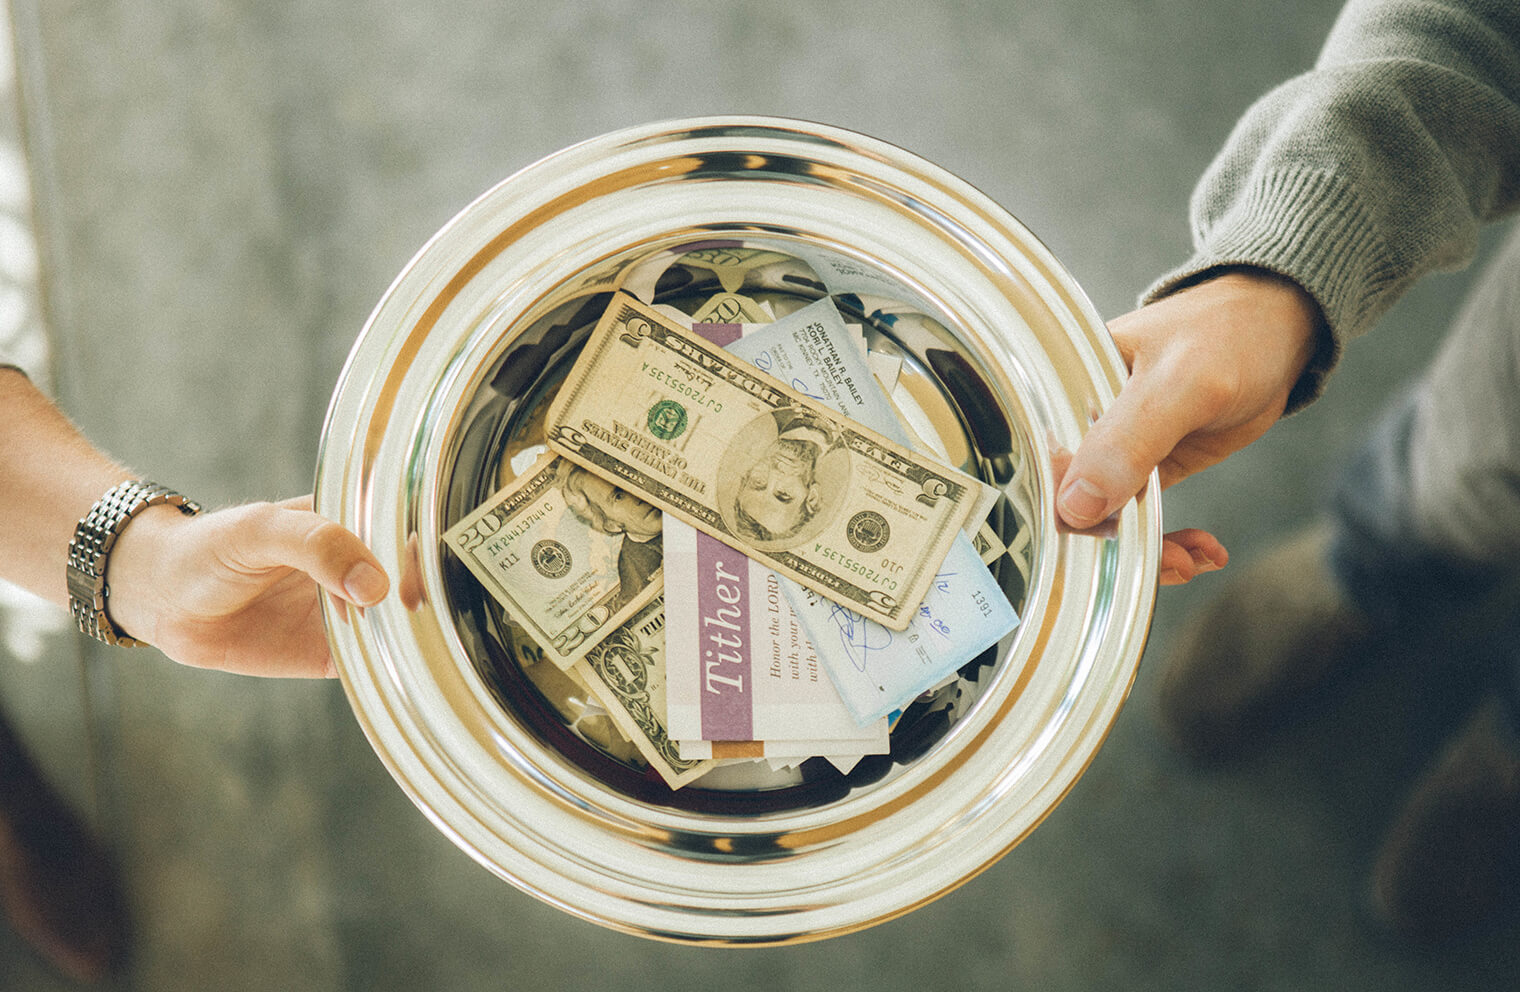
(441, 402)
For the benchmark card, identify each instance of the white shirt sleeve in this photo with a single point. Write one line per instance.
(15, 358)
(23, 343)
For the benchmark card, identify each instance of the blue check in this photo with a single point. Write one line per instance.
(876, 670)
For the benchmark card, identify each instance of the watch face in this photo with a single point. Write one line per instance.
(571, 780)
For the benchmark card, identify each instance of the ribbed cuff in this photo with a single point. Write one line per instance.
(1309, 226)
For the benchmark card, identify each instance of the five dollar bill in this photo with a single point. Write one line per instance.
(663, 414)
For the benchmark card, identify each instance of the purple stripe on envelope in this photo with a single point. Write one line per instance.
(721, 335)
(723, 641)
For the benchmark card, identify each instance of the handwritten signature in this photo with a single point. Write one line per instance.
(860, 637)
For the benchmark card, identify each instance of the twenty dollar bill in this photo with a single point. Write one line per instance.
(569, 556)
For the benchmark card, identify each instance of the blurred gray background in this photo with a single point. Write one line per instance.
(224, 188)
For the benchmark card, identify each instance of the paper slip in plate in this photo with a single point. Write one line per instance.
(739, 666)
(783, 750)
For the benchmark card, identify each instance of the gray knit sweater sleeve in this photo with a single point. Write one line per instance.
(1373, 169)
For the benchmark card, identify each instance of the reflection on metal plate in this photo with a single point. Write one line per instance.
(442, 402)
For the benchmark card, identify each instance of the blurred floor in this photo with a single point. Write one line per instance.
(225, 187)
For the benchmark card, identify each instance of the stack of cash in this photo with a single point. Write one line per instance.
(734, 541)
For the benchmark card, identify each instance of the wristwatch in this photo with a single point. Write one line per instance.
(90, 552)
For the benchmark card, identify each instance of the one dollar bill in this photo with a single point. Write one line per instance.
(707, 437)
(626, 673)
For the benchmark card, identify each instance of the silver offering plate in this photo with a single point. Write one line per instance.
(1003, 364)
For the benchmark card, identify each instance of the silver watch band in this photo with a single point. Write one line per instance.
(90, 552)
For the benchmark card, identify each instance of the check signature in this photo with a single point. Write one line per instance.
(859, 636)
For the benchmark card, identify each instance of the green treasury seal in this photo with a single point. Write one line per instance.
(667, 419)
